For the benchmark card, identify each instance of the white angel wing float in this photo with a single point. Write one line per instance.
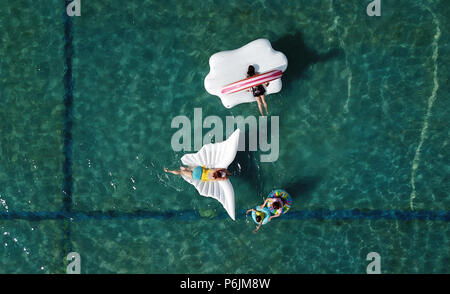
(217, 155)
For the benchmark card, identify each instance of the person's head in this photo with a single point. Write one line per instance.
(251, 71)
(223, 173)
(276, 205)
(259, 216)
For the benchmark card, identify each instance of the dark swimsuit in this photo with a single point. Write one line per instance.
(258, 91)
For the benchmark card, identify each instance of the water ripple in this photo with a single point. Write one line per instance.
(431, 100)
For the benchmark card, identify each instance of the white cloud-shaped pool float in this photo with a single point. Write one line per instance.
(227, 67)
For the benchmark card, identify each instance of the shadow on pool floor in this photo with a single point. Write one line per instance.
(299, 56)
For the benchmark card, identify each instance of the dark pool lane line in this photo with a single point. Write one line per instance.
(68, 113)
(67, 184)
(191, 215)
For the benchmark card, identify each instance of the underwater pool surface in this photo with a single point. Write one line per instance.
(86, 105)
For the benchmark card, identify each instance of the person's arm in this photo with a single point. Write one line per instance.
(251, 209)
(264, 204)
(273, 216)
(259, 226)
(221, 179)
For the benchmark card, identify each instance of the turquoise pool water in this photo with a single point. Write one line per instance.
(86, 105)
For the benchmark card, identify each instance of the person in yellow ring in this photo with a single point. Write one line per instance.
(260, 216)
(201, 173)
